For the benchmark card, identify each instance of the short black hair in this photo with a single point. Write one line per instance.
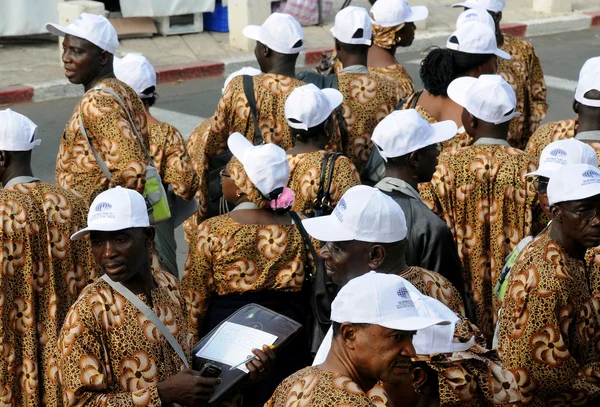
(441, 66)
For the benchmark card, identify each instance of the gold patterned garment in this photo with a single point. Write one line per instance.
(550, 132)
(482, 194)
(111, 354)
(523, 71)
(549, 328)
(228, 257)
(43, 272)
(368, 99)
(315, 387)
(169, 155)
(109, 129)
(462, 139)
(399, 74)
(436, 286)
(305, 179)
(233, 114)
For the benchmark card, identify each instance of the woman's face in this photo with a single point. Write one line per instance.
(406, 35)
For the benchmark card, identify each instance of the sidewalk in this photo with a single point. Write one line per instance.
(32, 71)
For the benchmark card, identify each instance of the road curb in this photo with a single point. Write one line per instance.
(58, 89)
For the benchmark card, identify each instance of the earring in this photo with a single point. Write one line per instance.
(239, 193)
(417, 390)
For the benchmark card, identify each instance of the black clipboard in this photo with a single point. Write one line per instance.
(254, 316)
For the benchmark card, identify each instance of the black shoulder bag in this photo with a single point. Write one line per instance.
(216, 204)
(322, 204)
(320, 290)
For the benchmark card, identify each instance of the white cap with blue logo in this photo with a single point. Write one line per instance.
(562, 152)
(574, 182)
(115, 209)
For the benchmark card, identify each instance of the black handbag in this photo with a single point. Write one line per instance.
(321, 291)
(322, 205)
(216, 204)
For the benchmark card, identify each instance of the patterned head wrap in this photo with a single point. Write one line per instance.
(243, 182)
(385, 37)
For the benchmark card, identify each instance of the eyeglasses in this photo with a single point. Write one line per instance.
(223, 174)
(541, 186)
(586, 215)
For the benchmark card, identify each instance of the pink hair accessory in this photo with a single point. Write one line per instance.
(284, 200)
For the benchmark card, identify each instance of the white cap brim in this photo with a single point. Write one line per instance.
(327, 229)
(238, 145)
(60, 30)
(413, 323)
(417, 13)
(458, 88)
(502, 54)
(252, 32)
(541, 172)
(444, 131)
(104, 227)
(467, 4)
(334, 96)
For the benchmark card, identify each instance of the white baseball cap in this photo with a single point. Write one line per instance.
(17, 132)
(266, 164)
(475, 14)
(492, 5)
(247, 70)
(91, 27)
(476, 38)
(135, 71)
(389, 13)
(562, 152)
(280, 32)
(363, 213)
(380, 299)
(115, 209)
(405, 131)
(489, 98)
(589, 79)
(308, 106)
(347, 23)
(574, 182)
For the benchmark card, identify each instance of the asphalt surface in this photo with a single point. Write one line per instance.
(562, 56)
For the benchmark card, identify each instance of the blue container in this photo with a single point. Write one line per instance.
(217, 20)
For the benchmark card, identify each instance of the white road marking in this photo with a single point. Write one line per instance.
(560, 83)
(185, 123)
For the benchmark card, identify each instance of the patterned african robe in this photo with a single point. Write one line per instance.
(43, 272)
(110, 130)
(398, 73)
(111, 354)
(482, 194)
(305, 178)
(549, 327)
(550, 132)
(524, 73)
(315, 387)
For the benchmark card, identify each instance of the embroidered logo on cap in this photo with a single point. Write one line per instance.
(405, 301)
(102, 211)
(593, 177)
(103, 206)
(402, 292)
(341, 206)
(558, 152)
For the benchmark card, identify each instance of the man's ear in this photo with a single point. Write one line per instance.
(376, 256)
(149, 233)
(3, 159)
(348, 333)
(474, 121)
(413, 159)
(419, 378)
(105, 58)
(556, 213)
(575, 106)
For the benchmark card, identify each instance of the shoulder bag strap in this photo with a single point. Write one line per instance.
(305, 237)
(251, 97)
(416, 99)
(148, 313)
(320, 191)
(95, 152)
(327, 195)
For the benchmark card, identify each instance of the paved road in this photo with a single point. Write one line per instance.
(184, 105)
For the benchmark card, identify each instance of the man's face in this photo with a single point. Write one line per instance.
(81, 59)
(121, 254)
(541, 186)
(393, 348)
(581, 221)
(345, 260)
(428, 160)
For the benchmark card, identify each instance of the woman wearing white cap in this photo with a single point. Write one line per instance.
(254, 254)
(470, 51)
(317, 186)
(393, 26)
(168, 153)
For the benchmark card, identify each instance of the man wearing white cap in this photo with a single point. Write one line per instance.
(368, 97)
(481, 190)
(279, 40)
(586, 104)
(550, 324)
(523, 72)
(168, 153)
(42, 271)
(126, 340)
(101, 144)
(318, 179)
(373, 315)
(409, 146)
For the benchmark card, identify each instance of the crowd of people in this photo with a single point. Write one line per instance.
(439, 247)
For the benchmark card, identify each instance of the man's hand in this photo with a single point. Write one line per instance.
(261, 368)
(187, 388)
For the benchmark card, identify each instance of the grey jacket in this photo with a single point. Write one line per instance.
(430, 244)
